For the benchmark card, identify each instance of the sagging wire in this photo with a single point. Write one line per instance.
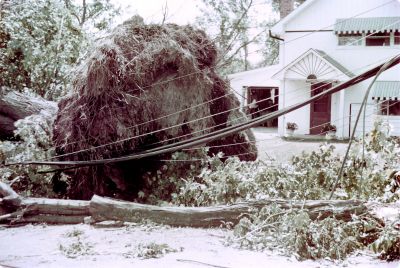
(219, 133)
(221, 124)
(193, 73)
(380, 71)
(223, 145)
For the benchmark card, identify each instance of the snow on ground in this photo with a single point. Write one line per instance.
(48, 246)
(39, 246)
(270, 145)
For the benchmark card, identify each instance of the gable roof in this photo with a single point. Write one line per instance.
(313, 62)
(334, 63)
(278, 27)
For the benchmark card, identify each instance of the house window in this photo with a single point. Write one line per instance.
(390, 107)
(378, 39)
(396, 38)
(350, 39)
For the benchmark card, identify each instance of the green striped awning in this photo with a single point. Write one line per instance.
(386, 90)
(365, 25)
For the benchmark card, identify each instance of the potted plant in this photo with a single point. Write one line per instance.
(329, 130)
(290, 128)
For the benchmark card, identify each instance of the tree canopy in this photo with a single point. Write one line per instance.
(41, 40)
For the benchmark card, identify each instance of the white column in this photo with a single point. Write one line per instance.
(244, 98)
(282, 96)
(342, 120)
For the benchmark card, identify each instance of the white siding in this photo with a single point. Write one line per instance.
(323, 14)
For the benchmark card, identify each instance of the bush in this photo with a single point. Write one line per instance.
(292, 126)
(328, 127)
(33, 142)
(308, 176)
(293, 232)
(388, 244)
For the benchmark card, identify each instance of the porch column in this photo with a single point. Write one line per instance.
(342, 121)
(243, 98)
(281, 119)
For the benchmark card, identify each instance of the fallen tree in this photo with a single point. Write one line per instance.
(15, 106)
(353, 221)
(24, 210)
(142, 87)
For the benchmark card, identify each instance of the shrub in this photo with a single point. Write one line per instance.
(307, 176)
(388, 244)
(33, 142)
(328, 127)
(293, 232)
(150, 250)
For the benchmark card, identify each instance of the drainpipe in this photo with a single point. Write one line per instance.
(274, 36)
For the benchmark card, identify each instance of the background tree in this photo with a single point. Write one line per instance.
(97, 14)
(269, 47)
(239, 33)
(229, 21)
(283, 6)
(41, 40)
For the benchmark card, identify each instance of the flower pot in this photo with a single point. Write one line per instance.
(289, 132)
(330, 135)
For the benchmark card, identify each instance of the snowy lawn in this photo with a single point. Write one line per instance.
(129, 245)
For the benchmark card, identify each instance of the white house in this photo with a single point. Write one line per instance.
(325, 42)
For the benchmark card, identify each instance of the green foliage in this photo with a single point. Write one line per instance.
(295, 233)
(42, 43)
(308, 176)
(388, 244)
(99, 13)
(234, 25)
(41, 40)
(76, 248)
(163, 184)
(33, 143)
(150, 250)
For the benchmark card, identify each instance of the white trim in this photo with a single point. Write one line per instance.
(281, 73)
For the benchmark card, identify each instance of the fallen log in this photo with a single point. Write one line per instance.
(17, 209)
(15, 105)
(51, 219)
(102, 208)
(56, 206)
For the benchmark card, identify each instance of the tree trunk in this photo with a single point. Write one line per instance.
(102, 208)
(15, 105)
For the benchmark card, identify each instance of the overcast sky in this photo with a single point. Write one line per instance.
(184, 12)
(178, 11)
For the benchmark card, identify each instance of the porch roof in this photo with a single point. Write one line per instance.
(365, 25)
(313, 62)
(386, 90)
(336, 64)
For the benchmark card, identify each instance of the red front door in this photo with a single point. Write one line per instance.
(320, 108)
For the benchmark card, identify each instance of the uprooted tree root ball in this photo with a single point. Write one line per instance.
(132, 80)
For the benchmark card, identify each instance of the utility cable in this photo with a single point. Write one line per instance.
(175, 78)
(220, 133)
(381, 70)
(217, 146)
(156, 131)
